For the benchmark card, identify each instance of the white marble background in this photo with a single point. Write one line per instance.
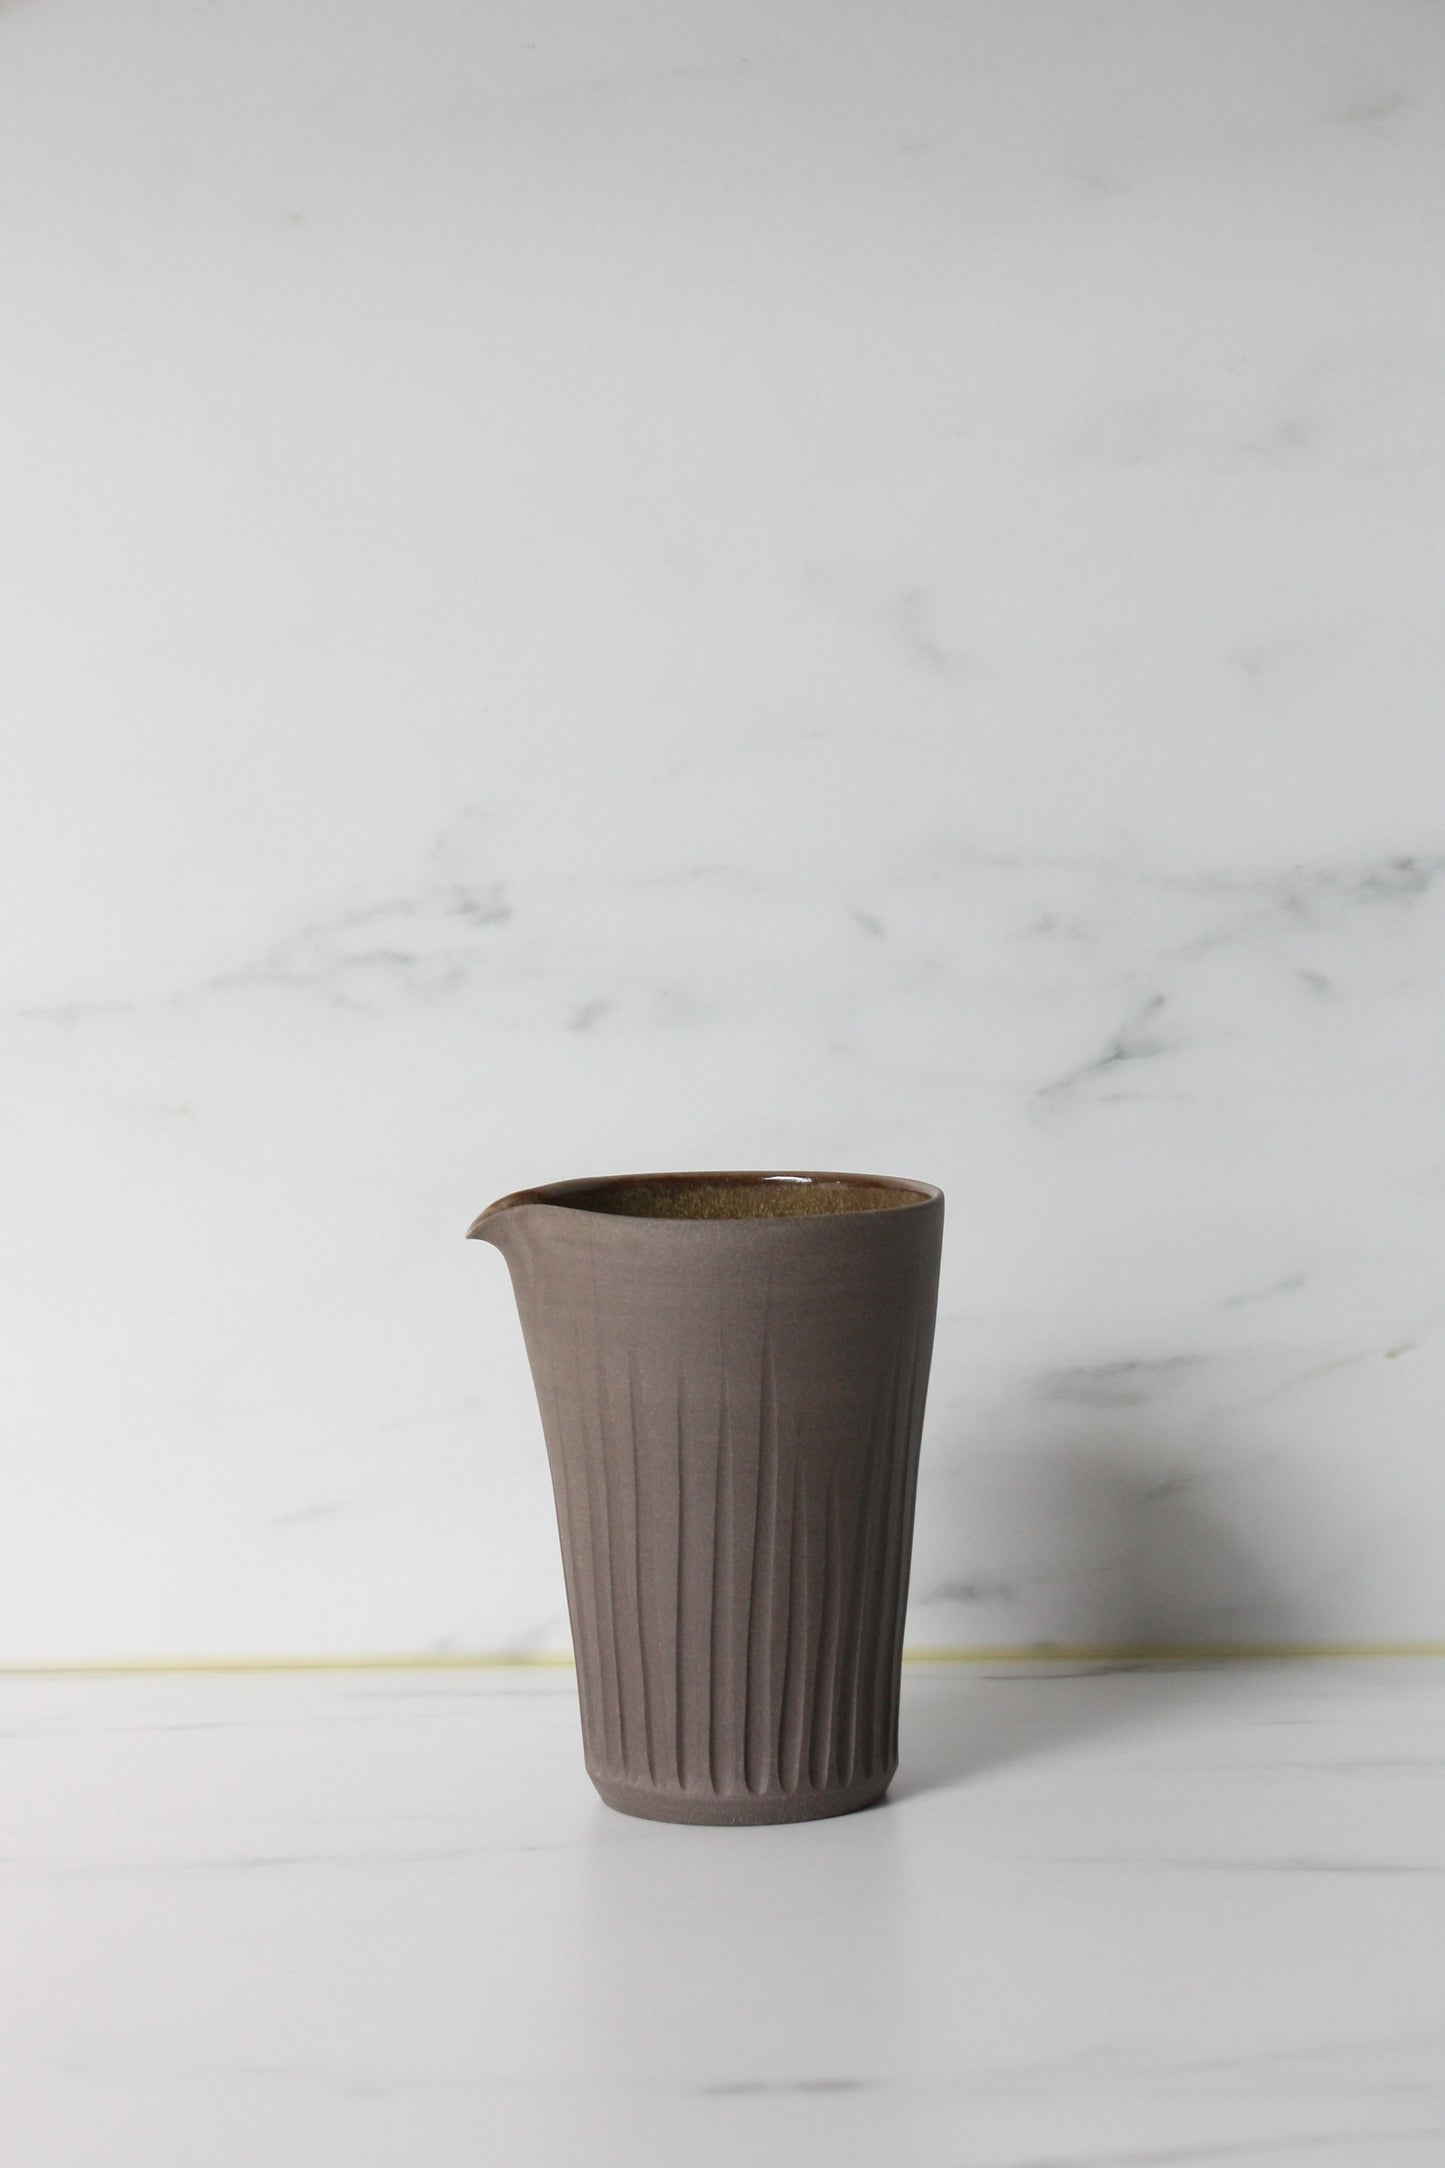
(591, 587)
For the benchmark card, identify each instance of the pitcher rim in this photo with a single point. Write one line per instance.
(908, 1192)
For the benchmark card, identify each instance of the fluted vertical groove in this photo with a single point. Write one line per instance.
(876, 1661)
(680, 1698)
(888, 1648)
(912, 1433)
(639, 1618)
(618, 1611)
(735, 1527)
(871, 1609)
(720, 1671)
(873, 1538)
(759, 1728)
(792, 1704)
(855, 1590)
(820, 1756)
(604, 1616)
(577, 1556)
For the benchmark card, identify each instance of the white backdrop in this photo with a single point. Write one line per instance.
(595, 587)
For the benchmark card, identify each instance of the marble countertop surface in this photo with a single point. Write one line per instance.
(1110, 1916)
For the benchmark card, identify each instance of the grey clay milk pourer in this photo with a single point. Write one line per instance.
(731, 1370)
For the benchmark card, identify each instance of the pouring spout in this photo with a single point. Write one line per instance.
(499, 1220)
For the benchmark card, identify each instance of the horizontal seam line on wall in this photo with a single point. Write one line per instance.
(502, 1660)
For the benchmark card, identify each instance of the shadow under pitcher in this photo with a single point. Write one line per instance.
(731, 1370)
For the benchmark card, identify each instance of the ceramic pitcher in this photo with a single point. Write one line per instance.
(731, 1371)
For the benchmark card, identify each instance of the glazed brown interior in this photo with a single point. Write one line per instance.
(737, 1196)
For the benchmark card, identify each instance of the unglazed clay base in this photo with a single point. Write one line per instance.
(737, 1813)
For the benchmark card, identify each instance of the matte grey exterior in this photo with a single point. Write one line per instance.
(733, 1409)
